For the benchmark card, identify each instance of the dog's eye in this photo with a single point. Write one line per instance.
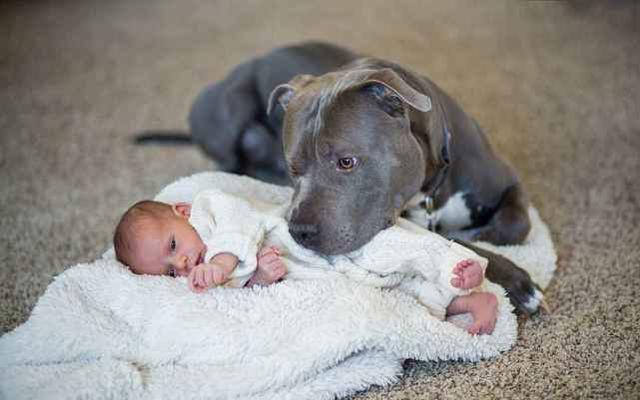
(294, 167)
(347, 163)
(293, 171)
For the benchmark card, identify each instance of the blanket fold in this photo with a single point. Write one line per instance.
(102, 331)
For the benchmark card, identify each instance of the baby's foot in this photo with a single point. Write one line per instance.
(468, 274)
(484, 309)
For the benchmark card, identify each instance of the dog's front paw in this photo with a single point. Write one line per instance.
(524, 294)
(522, 291)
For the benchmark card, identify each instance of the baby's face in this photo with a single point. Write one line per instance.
(169, 245)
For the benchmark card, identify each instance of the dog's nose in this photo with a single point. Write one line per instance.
(304, 234)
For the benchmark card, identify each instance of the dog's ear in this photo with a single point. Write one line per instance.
(281, 94)
(285, 92)
(387, 84)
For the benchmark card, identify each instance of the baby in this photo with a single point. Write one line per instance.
(155, 238)
(214, 241)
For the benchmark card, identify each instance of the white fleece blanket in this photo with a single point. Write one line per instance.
(101, 332)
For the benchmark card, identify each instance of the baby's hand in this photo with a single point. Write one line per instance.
(270, 267)
(207, 275)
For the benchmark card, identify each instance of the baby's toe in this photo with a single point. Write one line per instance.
(474, 329)
(487, 327)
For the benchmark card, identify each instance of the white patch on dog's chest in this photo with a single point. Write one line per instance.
(452, 216)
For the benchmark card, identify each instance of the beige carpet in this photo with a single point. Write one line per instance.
(556, 85)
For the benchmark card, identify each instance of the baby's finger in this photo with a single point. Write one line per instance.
(272, 257)
(219, 277)
(209, 278)
(193, 285)
(197, 289)
(203, 278)
(191, 277)
(275, 262)
(280, 266)
(200, 277)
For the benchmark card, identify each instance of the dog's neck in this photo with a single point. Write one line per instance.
(424, 202)
(421, 210)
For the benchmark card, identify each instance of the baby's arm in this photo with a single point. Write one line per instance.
(229, 225)
(219, 269)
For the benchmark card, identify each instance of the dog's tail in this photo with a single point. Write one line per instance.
(163, 137)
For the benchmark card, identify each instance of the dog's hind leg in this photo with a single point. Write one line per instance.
(222, 113)
(509, 224)
(262, 155)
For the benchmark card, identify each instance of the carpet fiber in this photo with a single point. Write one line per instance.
(555, 85)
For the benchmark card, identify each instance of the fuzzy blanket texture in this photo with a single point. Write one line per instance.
(100, 331)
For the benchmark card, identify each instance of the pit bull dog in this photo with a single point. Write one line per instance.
(364, 141)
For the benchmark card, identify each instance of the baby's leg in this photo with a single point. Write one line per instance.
(467, 274)
(483, 307)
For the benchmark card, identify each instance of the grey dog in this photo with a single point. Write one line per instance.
(363, 141)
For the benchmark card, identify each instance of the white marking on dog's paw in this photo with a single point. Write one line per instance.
(534, 302)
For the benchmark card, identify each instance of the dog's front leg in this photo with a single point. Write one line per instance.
(524, 294)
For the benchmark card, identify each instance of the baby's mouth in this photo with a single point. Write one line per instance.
(200, 257)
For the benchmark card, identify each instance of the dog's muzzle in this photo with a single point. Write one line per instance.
(304, 234)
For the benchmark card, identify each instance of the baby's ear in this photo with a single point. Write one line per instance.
(182, 209)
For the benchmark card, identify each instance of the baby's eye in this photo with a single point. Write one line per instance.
(172, 272)
(172, 245)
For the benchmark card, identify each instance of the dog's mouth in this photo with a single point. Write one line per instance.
(340, 227)
(341, 240)
(340, 248)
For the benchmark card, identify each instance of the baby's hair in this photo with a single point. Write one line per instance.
(127, 229)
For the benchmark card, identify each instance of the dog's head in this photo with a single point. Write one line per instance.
(352, 154)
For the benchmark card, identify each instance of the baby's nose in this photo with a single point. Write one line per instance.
(182, 262)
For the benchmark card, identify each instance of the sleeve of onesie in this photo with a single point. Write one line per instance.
(229, 224)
